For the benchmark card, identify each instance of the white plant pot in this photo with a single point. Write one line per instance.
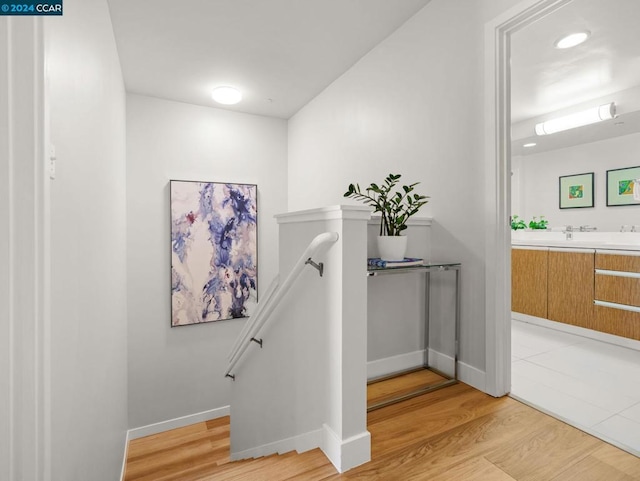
(392, 248)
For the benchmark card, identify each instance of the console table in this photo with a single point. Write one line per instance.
(449, 380)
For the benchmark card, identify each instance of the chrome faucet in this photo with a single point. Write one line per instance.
(569, 231)
(586, 228)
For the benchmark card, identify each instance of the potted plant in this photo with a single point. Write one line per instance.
(517, 223)
(538, 225)
(396, 206)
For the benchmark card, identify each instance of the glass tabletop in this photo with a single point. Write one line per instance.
(427, 266)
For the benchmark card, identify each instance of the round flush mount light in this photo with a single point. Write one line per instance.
(572, 39)
(226, 95)
(530, 144)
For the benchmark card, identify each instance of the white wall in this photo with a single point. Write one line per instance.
(535, 183)
(397, 328)
(413, 105)
(179, 371)
(88, 245)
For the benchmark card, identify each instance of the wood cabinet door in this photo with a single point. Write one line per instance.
(571, 291)
(529, 281)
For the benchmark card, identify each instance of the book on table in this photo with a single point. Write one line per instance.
(406, 262)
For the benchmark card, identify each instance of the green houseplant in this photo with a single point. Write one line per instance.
(396, 204)
(517, 223)
(538, 225)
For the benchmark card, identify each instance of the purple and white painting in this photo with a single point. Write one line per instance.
(213, 251)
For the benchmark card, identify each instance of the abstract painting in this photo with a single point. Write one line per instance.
(214, 248)
(576, 191)
(622, 185)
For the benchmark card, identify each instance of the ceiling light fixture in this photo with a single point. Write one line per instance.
(530, 144)
(226, 95)
(572, 39)
(586, 117)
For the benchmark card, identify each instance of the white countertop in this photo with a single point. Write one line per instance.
(581, 240)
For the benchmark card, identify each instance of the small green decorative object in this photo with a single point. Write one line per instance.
(517, 223)
(538, 225)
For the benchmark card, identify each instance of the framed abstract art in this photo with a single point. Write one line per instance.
(622, 185)
(576, 191)
(214, 250)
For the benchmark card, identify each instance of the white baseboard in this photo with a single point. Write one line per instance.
(578, 331)
(124, 458)
(180, 422)
(301, 443)
(401, 362)
(348, 453)
(468, 374)
(472, 376)
(441, 362)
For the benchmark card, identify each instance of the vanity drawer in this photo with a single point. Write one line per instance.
(617, 322)
(618, 262)
(618, 289)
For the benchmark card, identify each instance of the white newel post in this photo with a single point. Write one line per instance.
(307, 386)
(345, 439)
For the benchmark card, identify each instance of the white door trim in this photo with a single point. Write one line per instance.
(498, 185)
(25, 406)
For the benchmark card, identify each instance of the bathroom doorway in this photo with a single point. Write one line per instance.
(560, 367)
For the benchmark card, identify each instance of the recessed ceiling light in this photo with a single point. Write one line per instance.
(226, 95)
(530, 144)
(572, 39)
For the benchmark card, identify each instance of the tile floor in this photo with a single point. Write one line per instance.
(589, 384)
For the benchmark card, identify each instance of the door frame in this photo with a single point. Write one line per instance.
(25, 284)
(498, 185)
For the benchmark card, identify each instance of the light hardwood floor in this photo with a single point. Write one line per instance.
(454, 434)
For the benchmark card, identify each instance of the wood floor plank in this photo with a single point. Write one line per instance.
(591, 469)
(156, 442)
(381, 391)
(477, 469)
(320, 473)
(440, 417)
(416, 404)
(278, 467)
(438, 454)
(456, 433)
(530, 459)
(621, 460)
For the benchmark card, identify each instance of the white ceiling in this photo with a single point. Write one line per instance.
(279, 53)
(545, 79)
(282, 53)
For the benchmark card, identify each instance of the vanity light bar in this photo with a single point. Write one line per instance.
(578, 119)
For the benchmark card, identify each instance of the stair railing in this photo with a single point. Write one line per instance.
(272, 298)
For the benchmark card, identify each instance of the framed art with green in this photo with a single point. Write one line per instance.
(576, 191)
(622, 185)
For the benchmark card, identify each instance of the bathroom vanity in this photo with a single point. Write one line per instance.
(591, 281)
